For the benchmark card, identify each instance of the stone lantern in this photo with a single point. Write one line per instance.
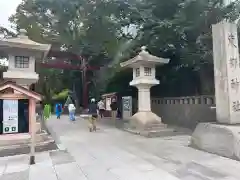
(22, 55)
(143, 66)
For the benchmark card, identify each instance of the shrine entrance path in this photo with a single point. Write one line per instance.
(120, 155)
(112, 154)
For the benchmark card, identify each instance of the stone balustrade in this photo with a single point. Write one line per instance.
(207, 100)
(185, 111)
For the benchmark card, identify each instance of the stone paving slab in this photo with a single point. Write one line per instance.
(95, 173)
(112, 154)
(18, 168)
(126, 155)
(44, 159)
(40, 172)
(61, 157)
(70, 171)
(21, 175)
(12, 168)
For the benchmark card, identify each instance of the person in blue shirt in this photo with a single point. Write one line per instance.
(58, 110)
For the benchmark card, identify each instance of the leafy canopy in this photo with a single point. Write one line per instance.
(107, 32)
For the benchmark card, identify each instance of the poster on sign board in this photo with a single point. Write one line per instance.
(127, 107)
(10, 116)
(127, 103)
(108, 104)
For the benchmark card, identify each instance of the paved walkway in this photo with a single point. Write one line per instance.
(112, 154)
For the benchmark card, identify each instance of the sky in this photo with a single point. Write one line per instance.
(7, 8)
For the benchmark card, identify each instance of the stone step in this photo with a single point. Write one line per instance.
(148, 128)
(6, 140)
(162, 132)
(155, 126)
(158, 133)
(20, 144)
(17, 149)
(16, 146)
(160, 127)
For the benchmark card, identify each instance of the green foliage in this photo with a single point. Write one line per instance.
(6, 32)
(106, 33)
(181, 30)
(90, 28)
(62, 95)
(50, 82)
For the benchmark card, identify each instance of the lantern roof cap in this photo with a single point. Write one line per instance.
(144, 58)
(23, 42)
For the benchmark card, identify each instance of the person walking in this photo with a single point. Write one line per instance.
(58, 110)
(114, 108)
(39, 111)
(101, 108)
(71, 110)
(92, 110)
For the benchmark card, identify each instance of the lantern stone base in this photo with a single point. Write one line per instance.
(223, 140)
(143, 120)
(147, 124)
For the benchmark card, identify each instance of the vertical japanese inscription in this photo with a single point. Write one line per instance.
(234, 65)
(235, 84)
(236, 106)
(232, 40)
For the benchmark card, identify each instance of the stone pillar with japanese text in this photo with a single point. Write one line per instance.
(226, 72)
(223, 137)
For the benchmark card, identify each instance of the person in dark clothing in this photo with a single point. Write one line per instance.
(93, 115)
(39, 111)
(114, 109)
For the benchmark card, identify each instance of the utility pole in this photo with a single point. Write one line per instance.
(84, 82)
(32, 109)
(75, 94)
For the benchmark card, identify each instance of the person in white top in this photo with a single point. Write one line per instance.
(71, 110)
(101, 108)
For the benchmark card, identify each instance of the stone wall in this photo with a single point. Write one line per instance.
(182, 111)
(185, 111)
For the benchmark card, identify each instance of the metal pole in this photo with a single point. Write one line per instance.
(84, 85)
(32, 120)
